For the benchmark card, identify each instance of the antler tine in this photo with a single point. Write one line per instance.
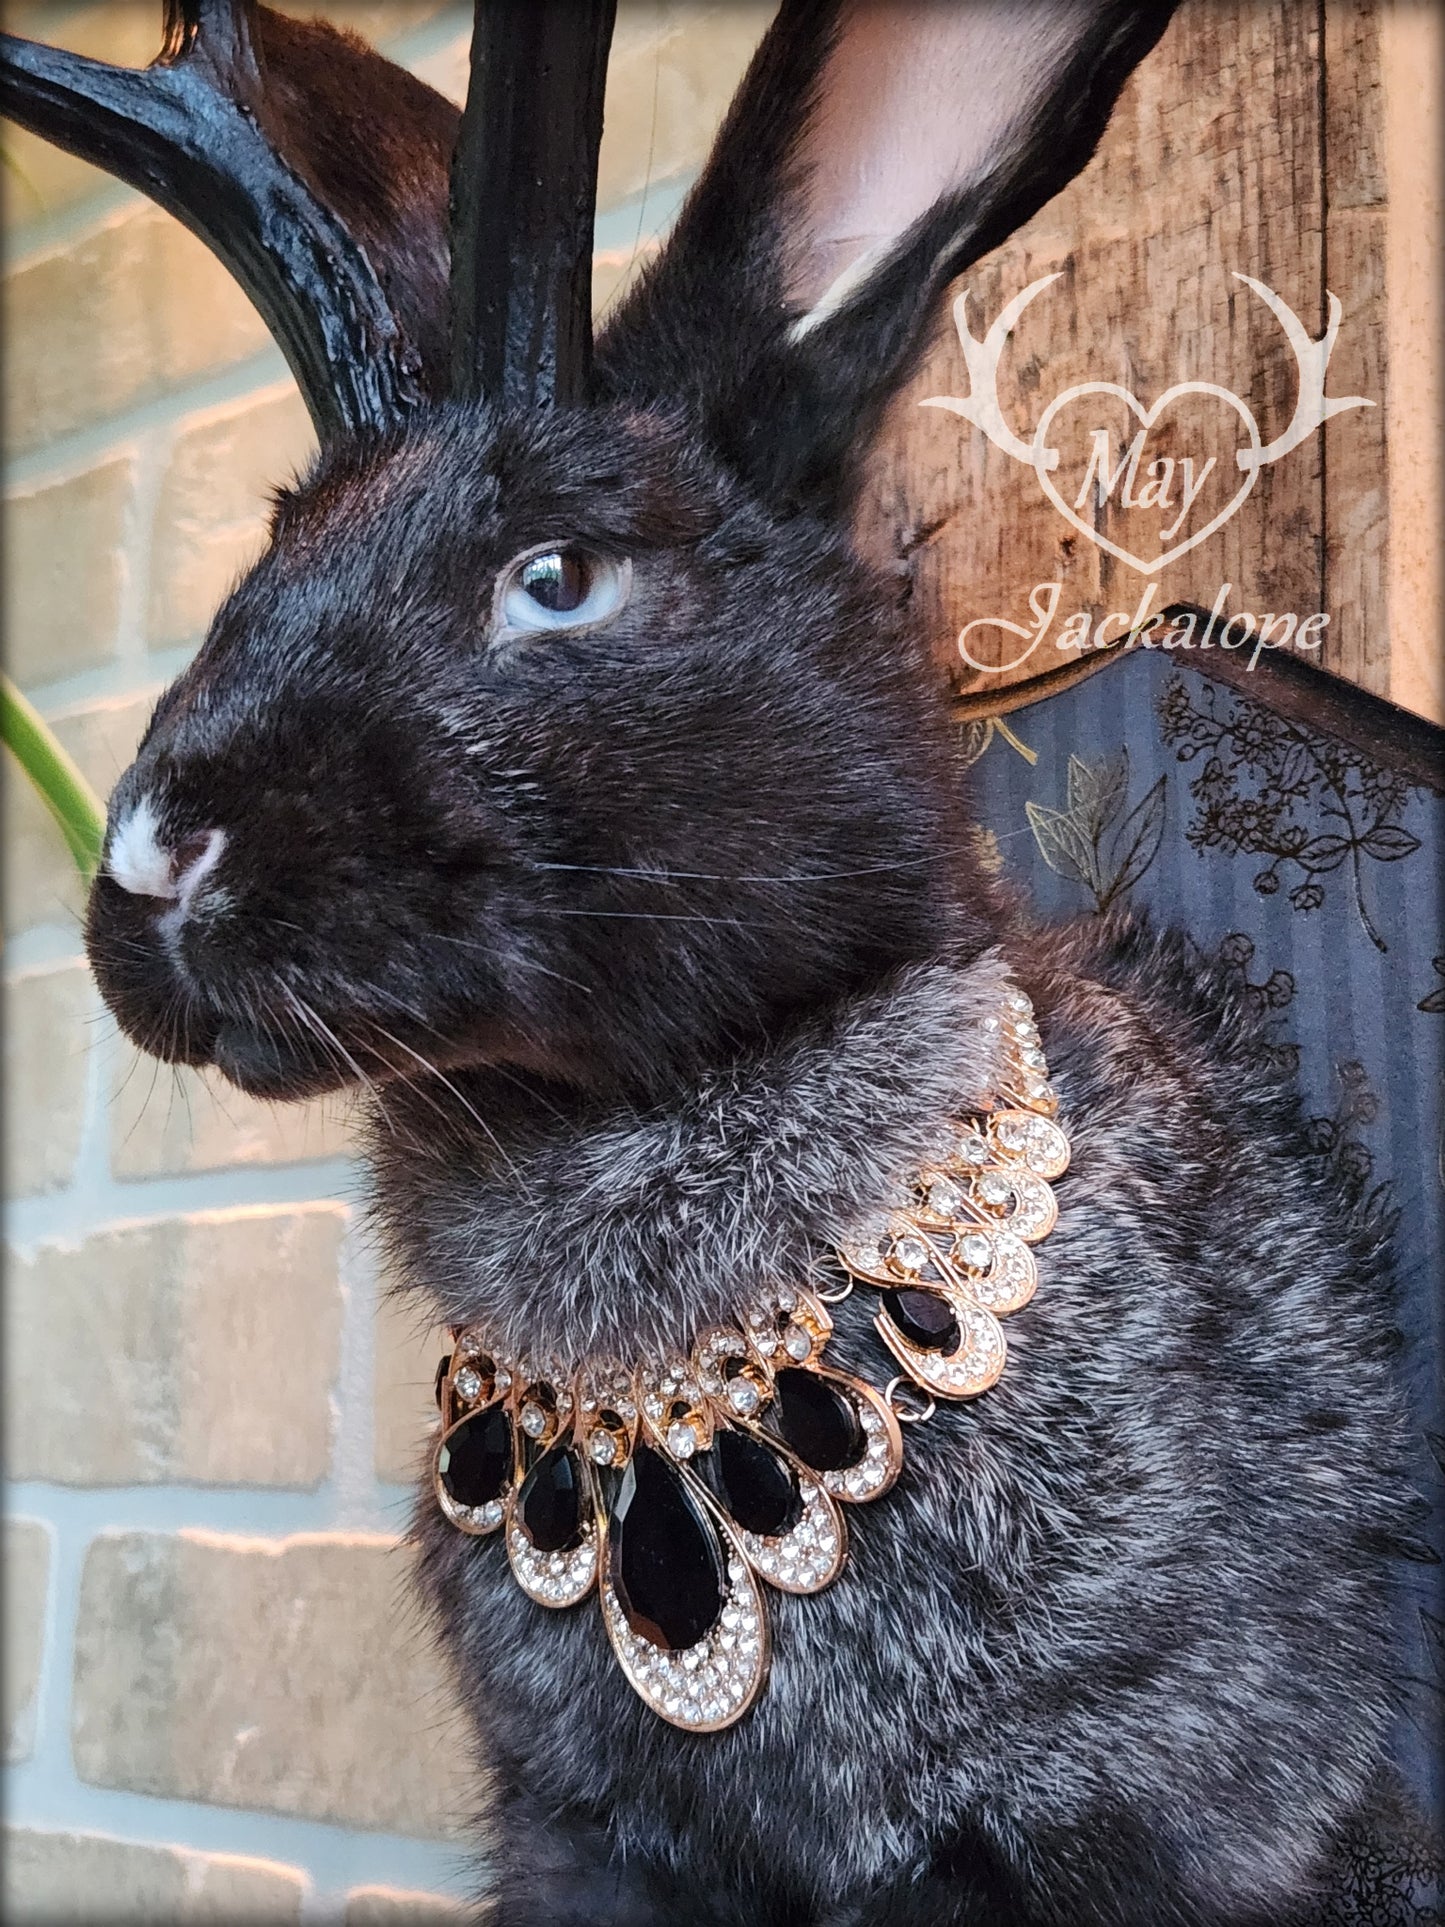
(186, 132)
(524, 189)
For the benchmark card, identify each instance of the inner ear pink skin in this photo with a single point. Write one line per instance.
(919, 99)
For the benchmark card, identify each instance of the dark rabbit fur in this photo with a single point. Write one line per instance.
(683, 910)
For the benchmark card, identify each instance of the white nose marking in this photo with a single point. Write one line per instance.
(141, 863)
(137, 861)
(200, 853)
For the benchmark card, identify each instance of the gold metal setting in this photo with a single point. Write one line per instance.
(948, 1265)
(706, 1686)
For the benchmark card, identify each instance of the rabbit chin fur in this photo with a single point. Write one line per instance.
(1115, 1649)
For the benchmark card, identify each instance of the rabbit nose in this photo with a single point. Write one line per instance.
(141, 863)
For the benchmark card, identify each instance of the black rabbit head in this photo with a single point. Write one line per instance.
(530, 738)
(577, 737)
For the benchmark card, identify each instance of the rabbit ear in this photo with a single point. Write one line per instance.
(875, 149)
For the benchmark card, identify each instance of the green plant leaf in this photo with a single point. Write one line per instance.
(62, 788)
(12, 166)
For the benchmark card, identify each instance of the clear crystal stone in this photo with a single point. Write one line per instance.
(797, 1344)
(681, 1440)
(994, 1188)
(602, 1448)
(910, 1253)
(743, 1395)
(944, 1197)
(467, 1383)
(533, 1420)
(975, 1250)
(491, 1513)
(972, 1149)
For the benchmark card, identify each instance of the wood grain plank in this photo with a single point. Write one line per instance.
(1212, 164)
(1413, 141)
(1356, 560)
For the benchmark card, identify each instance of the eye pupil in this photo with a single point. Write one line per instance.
(556, 581)
(566, 589)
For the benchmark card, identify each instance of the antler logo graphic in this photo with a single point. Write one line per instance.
(981, 407)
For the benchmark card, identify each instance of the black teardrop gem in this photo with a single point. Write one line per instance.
(755, 1483)
(818, 1420)
(549, 1501)
(441, 1378)
(663, 1556)
(924, 1318)
(475, 1460)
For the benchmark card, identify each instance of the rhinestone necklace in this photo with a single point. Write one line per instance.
(673, 1486)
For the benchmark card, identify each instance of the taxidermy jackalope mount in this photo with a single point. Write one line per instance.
(562, 779)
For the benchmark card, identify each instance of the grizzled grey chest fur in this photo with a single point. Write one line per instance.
(1112, 1649)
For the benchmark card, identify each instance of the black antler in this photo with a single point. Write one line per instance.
(524, 186)
(322, 176)
(312, 167)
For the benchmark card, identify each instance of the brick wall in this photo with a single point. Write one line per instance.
(219, 1700)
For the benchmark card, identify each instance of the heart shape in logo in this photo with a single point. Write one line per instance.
(1044, 459)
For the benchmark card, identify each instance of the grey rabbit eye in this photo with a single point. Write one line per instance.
(568, 587)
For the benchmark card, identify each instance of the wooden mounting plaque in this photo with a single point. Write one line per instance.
(1294, 143)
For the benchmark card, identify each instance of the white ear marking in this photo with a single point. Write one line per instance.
(137, 860)
(839, 288)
